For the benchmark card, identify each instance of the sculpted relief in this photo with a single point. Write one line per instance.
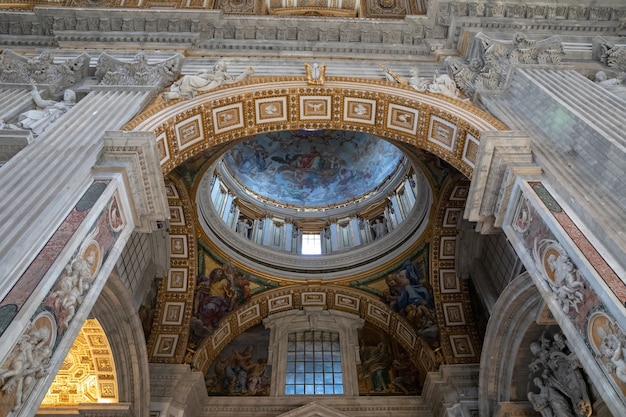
(27, 363)
(489, 69)
(46, 113)
(558, 378)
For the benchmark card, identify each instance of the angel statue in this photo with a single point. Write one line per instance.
(190, 85)
(315, 73)
(48, 111)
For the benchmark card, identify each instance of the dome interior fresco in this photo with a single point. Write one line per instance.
(312, 168)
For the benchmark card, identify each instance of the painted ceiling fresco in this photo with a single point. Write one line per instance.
(312, 168)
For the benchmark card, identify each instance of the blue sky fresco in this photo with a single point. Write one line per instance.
(312, 169)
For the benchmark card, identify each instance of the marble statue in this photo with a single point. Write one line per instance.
(418, 83)
(612, 350)
(8, 126)
(602, 79)
(440, 84)
(558, 376)
(567, 285)
(190, 85)
(443, 84)
(620, 364)
(243, 227)
(315, 73)
(379, 228)
(392, 76)
(550, 402)
(48, 111)
(28, 362)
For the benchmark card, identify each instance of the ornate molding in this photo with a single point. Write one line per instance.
(489, 67)
(17, 69)
(611, 55)
(112, 71)
(136, 154)
(501, 159)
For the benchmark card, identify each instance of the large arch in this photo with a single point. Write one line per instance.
(115, 311)
(517, 309)
(446, 127)
(331, 297)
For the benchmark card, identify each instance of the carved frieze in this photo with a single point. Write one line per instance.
(489, 68)
(611, 55)
(112, 71)
(239, 6)
(18, 69)
(385, 8)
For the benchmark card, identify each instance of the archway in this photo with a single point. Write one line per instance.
(448, 128)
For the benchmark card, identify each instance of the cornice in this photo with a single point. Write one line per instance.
(422, 37)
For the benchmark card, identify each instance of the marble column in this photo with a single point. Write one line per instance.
(62, 229)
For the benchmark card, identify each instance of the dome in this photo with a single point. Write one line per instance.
(312, 168)
(330, 193)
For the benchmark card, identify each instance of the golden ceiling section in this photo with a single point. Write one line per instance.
(446, 127)
(460, 341)
(170, 329)
(327, 296)
(88, 372)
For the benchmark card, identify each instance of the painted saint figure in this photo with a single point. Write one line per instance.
(213, 299)
(409, 295)
(215, 296)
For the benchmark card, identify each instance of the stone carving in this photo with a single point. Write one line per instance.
(69, 292)
(488, 70)
(563, 278)
(190, 85)
(243, 227)
(17, 69)
(112, 71)
(28, 362)
(441, 84)
(602, 79)
(48, 111)
(418, 83)
(379, 228)
(612, 55)
(315, 73)
(562, 389)
(8, 126)
(613, 343)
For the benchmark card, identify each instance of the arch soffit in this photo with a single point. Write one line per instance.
(518, 307)
(327, 296)
(446, 127)
(115, 312)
